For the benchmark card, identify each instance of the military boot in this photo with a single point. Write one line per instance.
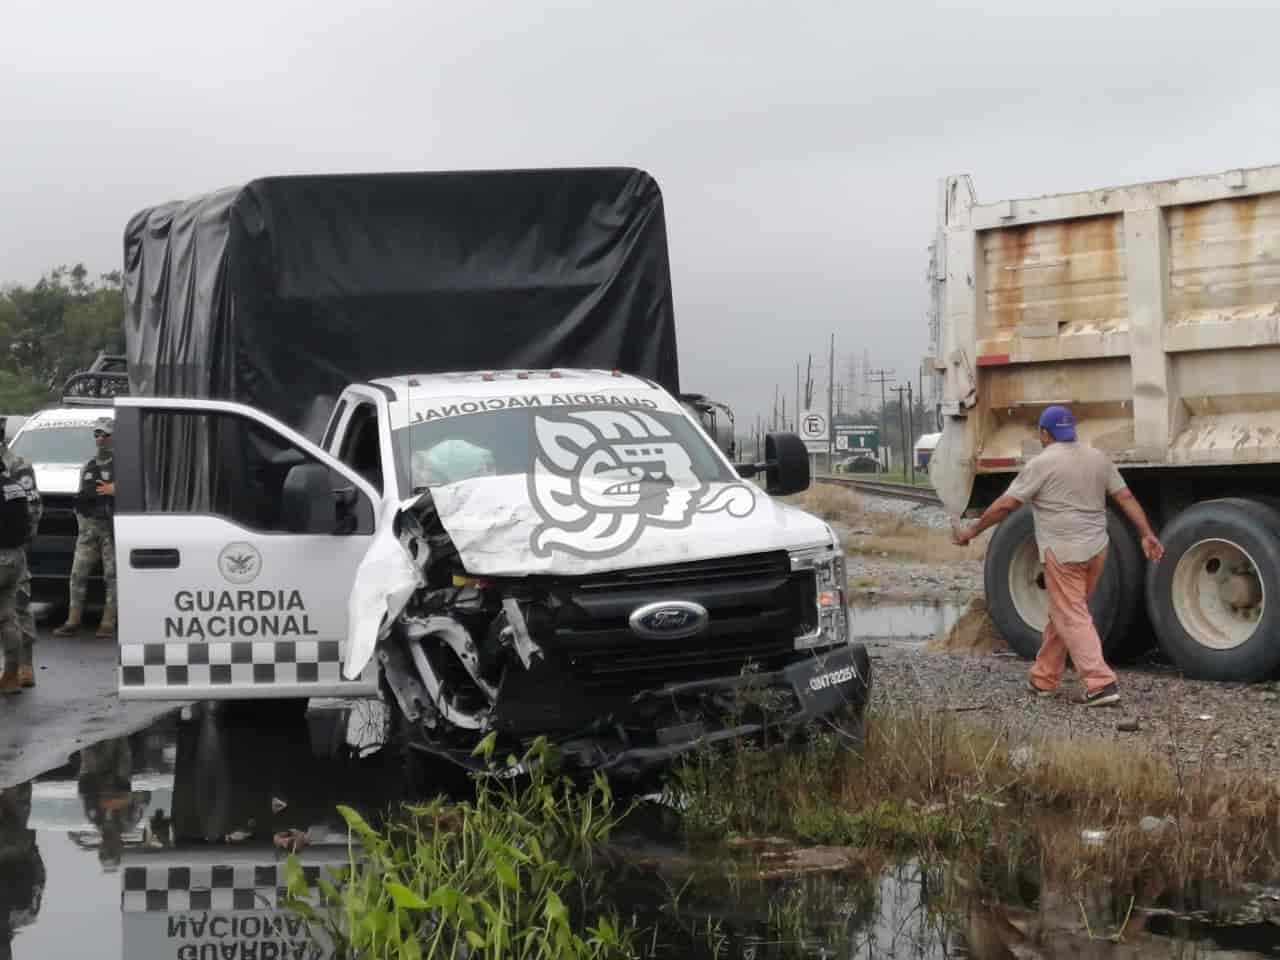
(107, 626)
(72, 626)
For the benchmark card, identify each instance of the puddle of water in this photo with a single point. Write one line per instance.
(902, 621)
(159, 846)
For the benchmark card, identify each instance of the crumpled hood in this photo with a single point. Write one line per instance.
(57, 478)
(514, 527)
(520, 526)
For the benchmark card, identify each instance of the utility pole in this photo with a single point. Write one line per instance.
(902, 427)
(920, 397)
(911, 431)
(831, 389)
(798, 407)
(881, 377)
(808, 385)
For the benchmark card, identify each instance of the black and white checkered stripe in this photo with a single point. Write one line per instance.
(240, 886)
(239, 663)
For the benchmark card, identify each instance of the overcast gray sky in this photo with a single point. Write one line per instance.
(798, 145)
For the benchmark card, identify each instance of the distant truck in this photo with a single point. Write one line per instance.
(924, 447)
(58, 441)
(508, 522)
(1152, 310)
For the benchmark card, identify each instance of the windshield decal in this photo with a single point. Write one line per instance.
(602, 477)
(31, 426)
(465, 407)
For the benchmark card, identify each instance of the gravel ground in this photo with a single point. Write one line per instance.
(1225, 724)
(877, 579)
(933, 517)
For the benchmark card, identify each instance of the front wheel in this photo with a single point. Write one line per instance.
(1212, 598)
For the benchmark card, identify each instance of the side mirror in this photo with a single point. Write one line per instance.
(786, 466)
(309, 505)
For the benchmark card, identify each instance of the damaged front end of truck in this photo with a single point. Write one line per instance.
(620, 669)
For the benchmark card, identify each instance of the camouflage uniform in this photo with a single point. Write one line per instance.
(22, 874)
(14, 537)
(106, 792)
(96, 538)
(20, 470)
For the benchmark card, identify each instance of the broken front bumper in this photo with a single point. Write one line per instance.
(832, 679)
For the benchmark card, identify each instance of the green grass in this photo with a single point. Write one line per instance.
(505, 875)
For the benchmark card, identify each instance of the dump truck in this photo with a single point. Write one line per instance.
(1153, 310)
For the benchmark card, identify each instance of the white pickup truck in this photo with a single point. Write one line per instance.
(562, 553)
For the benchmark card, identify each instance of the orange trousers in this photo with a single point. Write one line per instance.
(1070, 629)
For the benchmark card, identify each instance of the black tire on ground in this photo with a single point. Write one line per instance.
(1130, 635)
(1113, 604)
(1207, 545)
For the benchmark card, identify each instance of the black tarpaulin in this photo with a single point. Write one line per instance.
(281, 292)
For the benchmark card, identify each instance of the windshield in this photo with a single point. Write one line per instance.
(60, 444)
(623, 447)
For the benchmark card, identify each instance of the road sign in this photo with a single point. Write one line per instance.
(814, 432)
(854, 437)
(813, 426)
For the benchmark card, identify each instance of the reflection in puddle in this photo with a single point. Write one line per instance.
(903, 621)
(165, 844)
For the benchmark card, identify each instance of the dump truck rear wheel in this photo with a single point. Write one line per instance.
(1018, 600)
(1212, 599)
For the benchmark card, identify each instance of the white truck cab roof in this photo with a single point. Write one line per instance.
(57, 442)
(407, 393)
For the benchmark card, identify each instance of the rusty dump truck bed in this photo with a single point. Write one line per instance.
(1152, 309)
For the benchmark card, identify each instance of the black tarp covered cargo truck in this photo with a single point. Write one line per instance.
(491, 545)
(281, 292)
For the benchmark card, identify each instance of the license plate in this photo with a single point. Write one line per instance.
(827, 682)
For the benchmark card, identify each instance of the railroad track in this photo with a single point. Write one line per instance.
(896, 491)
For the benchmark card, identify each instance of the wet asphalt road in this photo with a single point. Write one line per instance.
(73, 704)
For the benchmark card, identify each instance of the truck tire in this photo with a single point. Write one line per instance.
(1018, 602)
(1213, 599)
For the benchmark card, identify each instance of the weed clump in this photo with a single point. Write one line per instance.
(928, 784)
(873, 533)
(495, 877)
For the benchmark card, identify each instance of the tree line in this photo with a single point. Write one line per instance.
(53, 328)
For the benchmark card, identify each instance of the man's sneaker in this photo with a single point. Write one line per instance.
(1101, 698)
(1032, 688)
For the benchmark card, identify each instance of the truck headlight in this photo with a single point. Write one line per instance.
(827, 622)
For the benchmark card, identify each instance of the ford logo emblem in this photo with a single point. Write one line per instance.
(669, 620)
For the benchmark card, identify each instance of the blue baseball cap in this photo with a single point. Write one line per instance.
(1060, 424)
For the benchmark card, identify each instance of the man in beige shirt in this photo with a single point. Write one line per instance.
(1067, 485)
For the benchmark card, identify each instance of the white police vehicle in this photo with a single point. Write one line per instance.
(58, 442)
(560, 553)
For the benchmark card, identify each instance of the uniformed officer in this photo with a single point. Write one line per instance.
(22, 874)
(15, 533)
(106, 792)
(95, 513)
(21, 471)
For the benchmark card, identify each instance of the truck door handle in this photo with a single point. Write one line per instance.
(157, 559)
